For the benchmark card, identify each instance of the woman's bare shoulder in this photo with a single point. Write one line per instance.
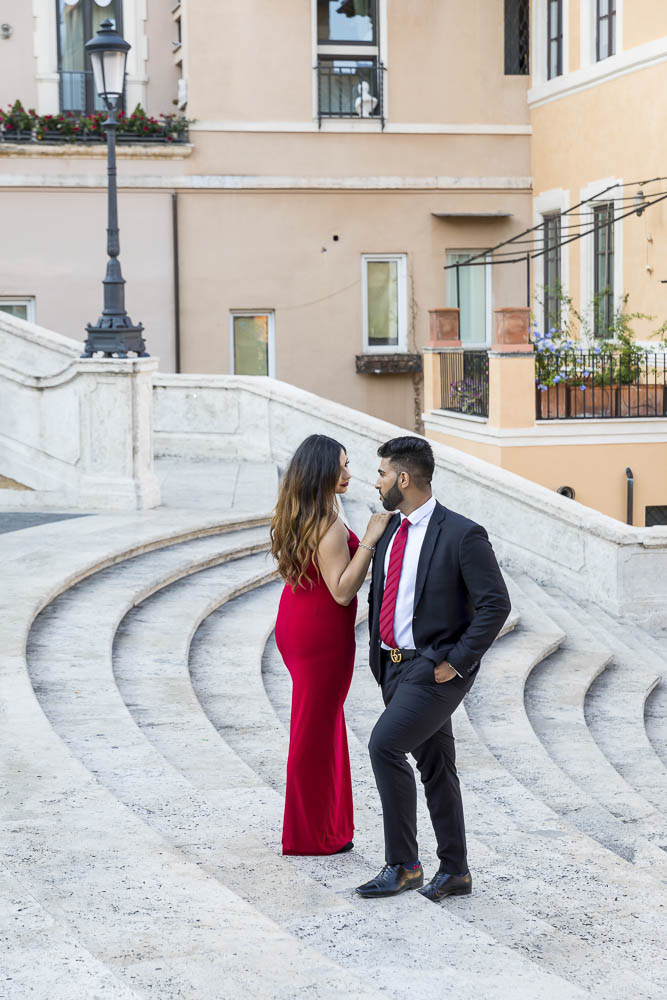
(333, 535)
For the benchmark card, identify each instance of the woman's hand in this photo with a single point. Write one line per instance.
(376, 528)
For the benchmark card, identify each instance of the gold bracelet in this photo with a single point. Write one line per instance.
(370, 548)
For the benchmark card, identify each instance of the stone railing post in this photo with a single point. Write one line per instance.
(443, 328)
(116, 433)
(512, 371)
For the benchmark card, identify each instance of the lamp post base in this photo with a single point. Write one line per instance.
(114, 337)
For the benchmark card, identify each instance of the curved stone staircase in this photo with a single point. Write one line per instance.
(144, 732)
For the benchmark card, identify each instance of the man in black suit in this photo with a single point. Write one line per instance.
(437, 601)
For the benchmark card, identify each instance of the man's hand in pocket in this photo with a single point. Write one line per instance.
(444, 672)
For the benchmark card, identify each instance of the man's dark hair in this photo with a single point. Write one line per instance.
(413, 454)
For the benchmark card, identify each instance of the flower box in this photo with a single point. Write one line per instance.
(640, 401)
(552, 402)
(592, 400)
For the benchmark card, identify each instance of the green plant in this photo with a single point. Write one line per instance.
(71, 127)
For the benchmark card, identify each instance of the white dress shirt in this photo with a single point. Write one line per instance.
(405, 599)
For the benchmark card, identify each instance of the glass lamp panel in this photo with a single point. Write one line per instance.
(382, 285)
(251, 345)
(109, 72)
(345, 21)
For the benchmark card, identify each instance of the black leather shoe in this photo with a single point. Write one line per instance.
(345, 848)
(392, 880)
(443, 884)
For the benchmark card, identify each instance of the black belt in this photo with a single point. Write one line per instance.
(398, 655)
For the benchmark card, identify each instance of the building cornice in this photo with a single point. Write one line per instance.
(638, 58)
(346, 125)
(549, 433)
(247, 182)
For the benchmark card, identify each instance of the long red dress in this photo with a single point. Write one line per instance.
(315, 637)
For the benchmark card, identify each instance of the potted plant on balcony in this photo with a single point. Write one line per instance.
(17, 124)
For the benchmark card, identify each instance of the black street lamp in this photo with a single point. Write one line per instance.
(114, 333)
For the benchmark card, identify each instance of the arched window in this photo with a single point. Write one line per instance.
(78, 20)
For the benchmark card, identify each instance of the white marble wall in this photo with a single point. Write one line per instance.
(77, 432)
(553, 539)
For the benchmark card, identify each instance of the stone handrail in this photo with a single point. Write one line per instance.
(555, 540)
(76, 432)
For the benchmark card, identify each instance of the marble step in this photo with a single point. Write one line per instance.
(34, 941)
(497, 710)
(160, 921)
(239, 709)
(224, 699)
(188, 819)
(617, 704)
(148, 676)
(525, 906)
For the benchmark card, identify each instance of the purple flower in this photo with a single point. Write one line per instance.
(557, 379)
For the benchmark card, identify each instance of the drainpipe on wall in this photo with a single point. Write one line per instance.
(176, 279)
(630, 494)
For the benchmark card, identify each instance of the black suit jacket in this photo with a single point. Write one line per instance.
(461, 601)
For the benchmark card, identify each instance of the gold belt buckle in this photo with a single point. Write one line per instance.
(396, 655)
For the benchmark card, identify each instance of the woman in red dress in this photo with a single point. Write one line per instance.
(323, 564)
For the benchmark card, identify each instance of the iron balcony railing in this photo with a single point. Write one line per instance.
(350, 88)
(599, 383)
(464, 382)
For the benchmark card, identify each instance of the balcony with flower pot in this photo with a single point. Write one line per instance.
(570, 417)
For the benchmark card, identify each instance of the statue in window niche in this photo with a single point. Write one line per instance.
(365, 104)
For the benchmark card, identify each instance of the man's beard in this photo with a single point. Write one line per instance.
(392, 498)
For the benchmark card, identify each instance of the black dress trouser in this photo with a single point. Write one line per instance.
(417, 720)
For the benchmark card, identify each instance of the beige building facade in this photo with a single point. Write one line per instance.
(341, 153)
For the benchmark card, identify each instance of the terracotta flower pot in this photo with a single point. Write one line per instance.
(641, 400)
(593, 401)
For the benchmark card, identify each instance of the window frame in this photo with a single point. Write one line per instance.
(402, 306)
(474, 345)
(349, 41)
(550, 217)
(607, 207)
(558, 38)
(271, 353)
(90, 92)
(609, 28)
(20, 300)
(508, 48)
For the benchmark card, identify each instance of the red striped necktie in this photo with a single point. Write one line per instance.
(388, 608)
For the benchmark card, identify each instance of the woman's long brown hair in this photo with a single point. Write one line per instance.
(305, 507)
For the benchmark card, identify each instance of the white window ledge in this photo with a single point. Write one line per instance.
(640, 57)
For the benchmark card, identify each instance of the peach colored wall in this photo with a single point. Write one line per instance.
(432, 49)
(644, 20)
(261, 67)
(163, 76)
(263, 250)
(596, 472)
(58, 254)
(331, 154)
(17, 61)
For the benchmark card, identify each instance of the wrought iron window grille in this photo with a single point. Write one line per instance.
(350, 88)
